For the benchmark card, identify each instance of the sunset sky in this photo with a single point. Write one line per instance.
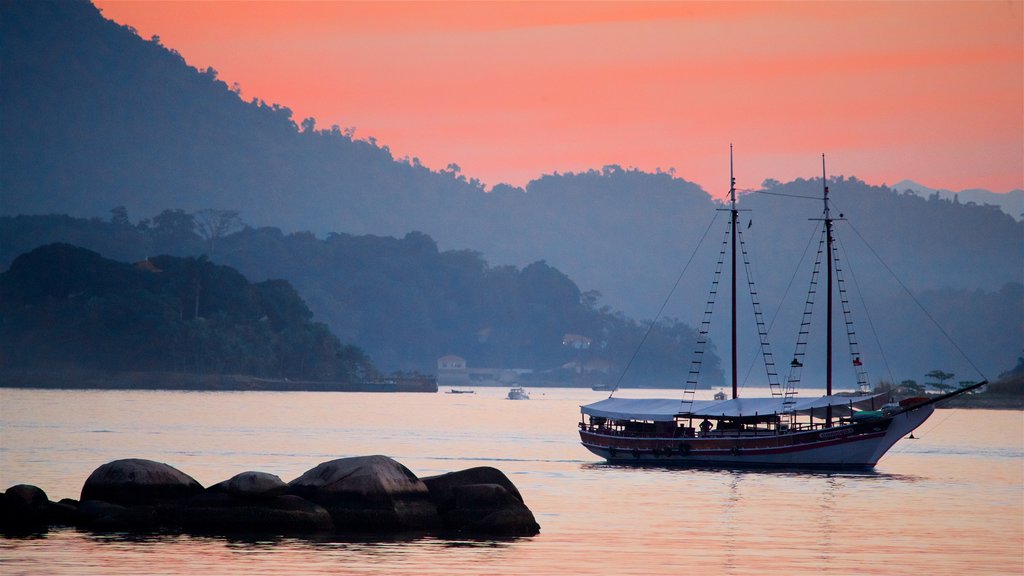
(930, 91)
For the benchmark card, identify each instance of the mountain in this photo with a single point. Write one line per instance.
(1011, 202)
(68, 307)
(402, 300)
(97, 119)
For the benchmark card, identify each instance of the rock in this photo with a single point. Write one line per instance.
(441, 486)
(23, 509)
(63, 513)
(512, 521)
(225, 513)
(135, 481)
(368, 493)
(252, 485)
(481, 500)
(28, 495)
(108, 517)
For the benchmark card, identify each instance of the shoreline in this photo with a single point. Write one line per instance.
(74, 379)
(77, 379)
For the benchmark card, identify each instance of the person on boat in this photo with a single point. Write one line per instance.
(705, 427)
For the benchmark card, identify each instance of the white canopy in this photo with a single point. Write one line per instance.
(664, 410)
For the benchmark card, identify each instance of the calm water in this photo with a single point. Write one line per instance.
(951, 502)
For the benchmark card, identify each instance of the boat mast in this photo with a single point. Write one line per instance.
(735, 213)
(828, 299)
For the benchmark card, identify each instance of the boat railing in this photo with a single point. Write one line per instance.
(689, 432)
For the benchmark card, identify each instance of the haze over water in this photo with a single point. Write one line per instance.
(947, 503)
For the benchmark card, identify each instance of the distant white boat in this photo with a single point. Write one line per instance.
(518, 393)
(720, 395)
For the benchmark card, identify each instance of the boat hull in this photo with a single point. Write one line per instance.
(858, 445)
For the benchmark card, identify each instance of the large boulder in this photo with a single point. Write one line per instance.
(368, 493)
(134, 481)
(23, 508)
(225, 513)
(441, 487)
(482, 501)
(26, 508)
(252, 485)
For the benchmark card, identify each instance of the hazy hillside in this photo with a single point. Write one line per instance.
(403, 301)
(1011, 202)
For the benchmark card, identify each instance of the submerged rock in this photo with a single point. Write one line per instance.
(136, 481)
(252, 485)
(367, 493)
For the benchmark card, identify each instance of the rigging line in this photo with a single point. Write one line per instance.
(785, 294)
(765, 348)
(650, 326)
(917, 302)
(867, 314)
(787, 195)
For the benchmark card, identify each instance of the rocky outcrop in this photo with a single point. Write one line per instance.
(481, 500)
(252, 485)
(224, 513)
(363, 494)
(134, 481)
(368, 493)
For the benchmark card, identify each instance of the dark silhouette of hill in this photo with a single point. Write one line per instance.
(68, 307)
(96, 118)
(404, 301)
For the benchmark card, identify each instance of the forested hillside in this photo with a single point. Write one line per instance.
(67, 307)
(402, 300)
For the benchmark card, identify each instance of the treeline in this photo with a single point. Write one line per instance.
(403, 301)
(68, 307)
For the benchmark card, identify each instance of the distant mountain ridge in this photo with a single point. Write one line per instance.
(1011, 202)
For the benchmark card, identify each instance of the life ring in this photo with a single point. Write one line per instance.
(735, 450)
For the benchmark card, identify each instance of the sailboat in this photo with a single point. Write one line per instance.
(783, 430)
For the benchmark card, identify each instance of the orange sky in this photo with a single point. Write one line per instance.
(930, 91)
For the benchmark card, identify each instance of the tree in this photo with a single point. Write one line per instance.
(213, 225)
(175, 224)
(912, 386)
(941, 377)
(119, 216)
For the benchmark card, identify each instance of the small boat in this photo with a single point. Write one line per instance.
(454, 391)
(518, 393)
(603, 387)
(831, 431)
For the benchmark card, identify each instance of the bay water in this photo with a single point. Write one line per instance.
(949, 502)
